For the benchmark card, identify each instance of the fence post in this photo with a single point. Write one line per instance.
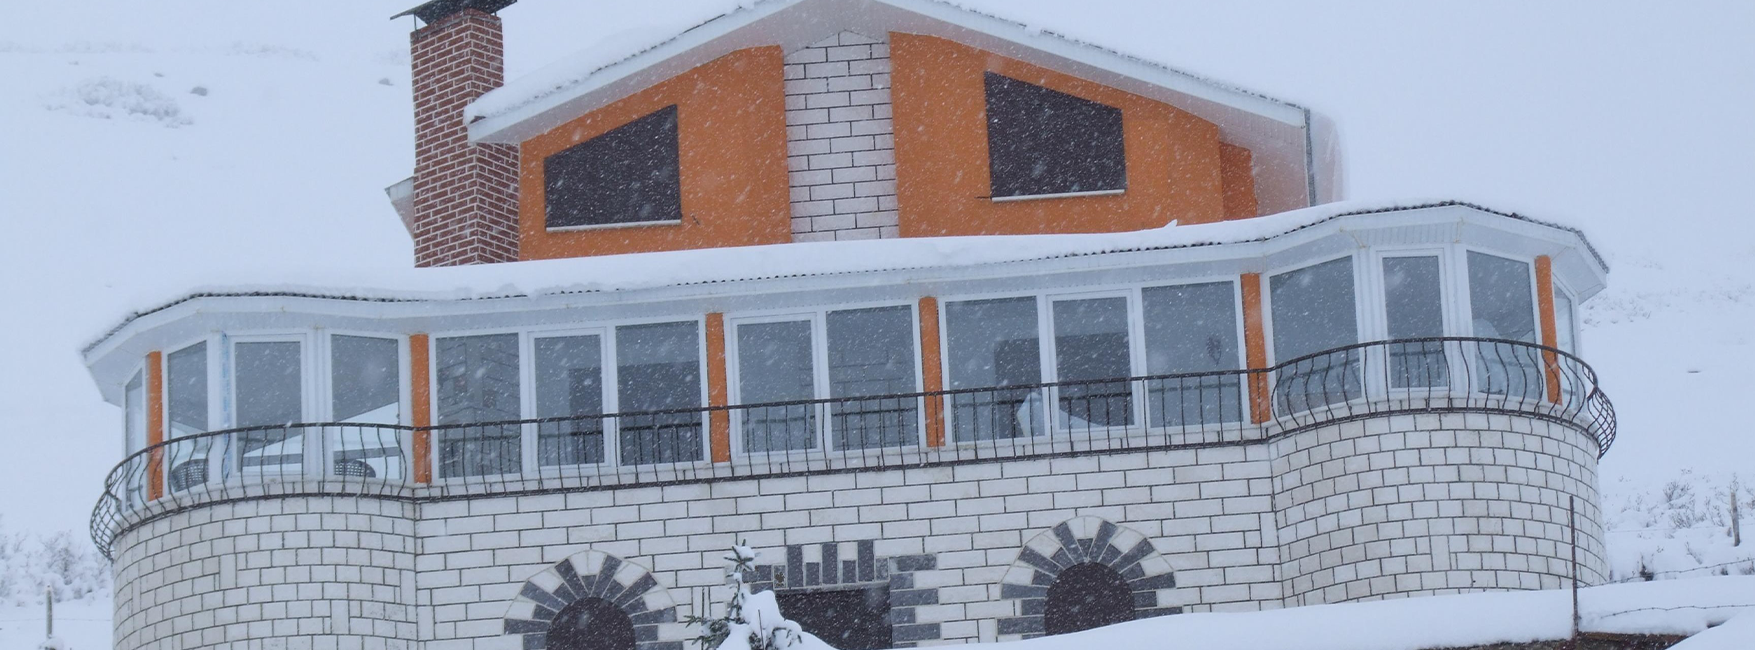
(49, 602)
(1572, 526)
(1736, 515)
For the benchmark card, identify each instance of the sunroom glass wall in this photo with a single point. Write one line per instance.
(658, 368)
(478, 382)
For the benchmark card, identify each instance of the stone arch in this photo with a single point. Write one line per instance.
(586, 576)
(1078, 541)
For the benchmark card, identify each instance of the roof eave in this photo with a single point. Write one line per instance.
(710, 40)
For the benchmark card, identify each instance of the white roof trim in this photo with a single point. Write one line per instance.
(730, 32)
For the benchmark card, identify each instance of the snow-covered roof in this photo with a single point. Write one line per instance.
(1294, 149)
(718, 266)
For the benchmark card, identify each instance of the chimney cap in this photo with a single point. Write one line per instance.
(435, 10)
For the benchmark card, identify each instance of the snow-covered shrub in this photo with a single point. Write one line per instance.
(750, 621)
(109, 98)
(64, 562)
(1681, 528)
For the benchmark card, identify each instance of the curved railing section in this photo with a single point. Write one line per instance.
(848, 433)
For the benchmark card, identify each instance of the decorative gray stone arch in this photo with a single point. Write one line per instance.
(1085, 540)
(592, 574)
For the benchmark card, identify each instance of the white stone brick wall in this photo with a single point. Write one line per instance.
(1207, 511)
(1434, 504)
(1384, 507)
(839, 143)
(300, 573)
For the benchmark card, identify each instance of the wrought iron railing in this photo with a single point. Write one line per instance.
(1432, 375)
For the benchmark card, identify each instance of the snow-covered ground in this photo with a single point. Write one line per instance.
(1679, 607)
(151, 146)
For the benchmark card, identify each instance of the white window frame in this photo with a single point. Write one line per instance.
(819, 356)
(1043, 361)
(1376, 327)
(612, 384)
(527, 399)
(325, 399)
(819, 317)
(1466, 302)
(1361, 318)
(309, 385)
(1135, 354)
(1144, 355)
(524, 436)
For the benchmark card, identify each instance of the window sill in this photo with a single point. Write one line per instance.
(615, 226)
(1062, 195)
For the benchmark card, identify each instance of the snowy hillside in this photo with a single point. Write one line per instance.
(167, 145)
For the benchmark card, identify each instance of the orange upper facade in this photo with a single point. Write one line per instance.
(812, 120)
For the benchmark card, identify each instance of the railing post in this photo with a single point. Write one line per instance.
(932, 372)
(420, 393)
(1255, 349)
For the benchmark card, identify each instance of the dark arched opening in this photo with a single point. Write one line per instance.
(1086, 596)
(591, 624)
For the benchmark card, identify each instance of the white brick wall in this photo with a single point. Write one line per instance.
(839, 142)
(1386, 507)
(300, 573)
(1433, 504)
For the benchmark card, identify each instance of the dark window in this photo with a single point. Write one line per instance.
(1086, 596)
(591, 624)
(1041, 141)
(628, 175)
(848, 619)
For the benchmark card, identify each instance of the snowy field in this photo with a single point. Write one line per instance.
(147, 148)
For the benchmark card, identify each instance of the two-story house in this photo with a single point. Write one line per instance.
(974, 331)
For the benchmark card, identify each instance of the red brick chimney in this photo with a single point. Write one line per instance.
(465, 196)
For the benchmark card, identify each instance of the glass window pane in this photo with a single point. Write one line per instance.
(478, 382)
(1504, 308)
(1313, 312)
(186, 390)
(871, 356)
(774, 365)
(569, 384)
(658, 367)
(1564, 328)
(1413, 303)
(134, 414)
(134, 438)
(269, 394)
(186, 396)
(1193, 329)
(1499, 296)
(1090, 344)
(365, 377)
(992, 344)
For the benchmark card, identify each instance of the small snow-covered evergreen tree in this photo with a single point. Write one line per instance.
(750, 621)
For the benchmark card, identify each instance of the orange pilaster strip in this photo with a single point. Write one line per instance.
(155, 423)
(1255, 349)
(932, 372)
(718, 392)
(1550, 333)
(421, 393)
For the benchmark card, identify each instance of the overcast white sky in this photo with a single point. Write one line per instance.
(1628, 119)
